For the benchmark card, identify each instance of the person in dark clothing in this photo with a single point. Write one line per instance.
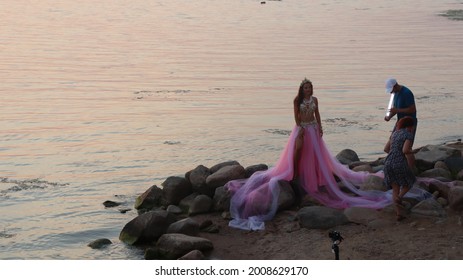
(403, 106)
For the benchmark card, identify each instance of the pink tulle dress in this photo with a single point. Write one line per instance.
(254, 200)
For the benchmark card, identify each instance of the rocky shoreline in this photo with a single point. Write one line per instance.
(187, 217)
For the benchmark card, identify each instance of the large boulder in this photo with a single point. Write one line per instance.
(373, 183)
(186, 226)
(347, 156)
(437, 173)
(454, 164)
(427, 156)
(175, 189)
(224, 175)
(456, 198)
(200, 204)
(196, 204)
(175, 245)
(221, 199)
(151, 198)
(429, 207)
(460, 176)
(197, 178)
(147, 227)
(219, 166)
(363, 168)
(433, 185)
(286, 198)
(254, 168)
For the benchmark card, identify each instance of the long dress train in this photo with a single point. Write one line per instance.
(255, 200)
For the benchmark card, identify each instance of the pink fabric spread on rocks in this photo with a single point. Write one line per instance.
(255, 200)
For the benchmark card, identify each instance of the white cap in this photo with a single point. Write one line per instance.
(390, 83)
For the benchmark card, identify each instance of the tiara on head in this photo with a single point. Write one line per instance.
(305, 81)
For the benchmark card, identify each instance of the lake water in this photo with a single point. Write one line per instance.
(102, 99)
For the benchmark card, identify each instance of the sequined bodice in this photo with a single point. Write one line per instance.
(307, 107)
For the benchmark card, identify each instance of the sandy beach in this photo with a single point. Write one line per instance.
(415, 238)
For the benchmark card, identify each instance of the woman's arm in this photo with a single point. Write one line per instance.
(317, 116)
(297, 118)
(409, 153)
(407, 148)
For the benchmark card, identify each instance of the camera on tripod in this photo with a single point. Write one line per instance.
(335, 237)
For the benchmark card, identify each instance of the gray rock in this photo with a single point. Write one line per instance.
(175, 245)
(185, 203)
(441, 164)
(459, 176)
(429, 207)
(124, 210)
(214, 228)
(219, 166)
(286, 198)
(147, 227)
(150, 199)
(430, 154)
(200, 204)
(254, 168)
(373, 183)
(186, 226)
(435, 185)
(437, 173)
(196, 204)
(377, 168)
(197, 178)
(175, 189)
(454, 164)
(193, 255)
(174, 209)
(152, 254)
(99, 243)
(442, 201)
(347, 156)
(223, 175)
(110, 203)
(364, 167)
(226, 215)
(456, 198)
(221, 199)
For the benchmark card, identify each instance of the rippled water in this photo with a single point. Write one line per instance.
(102, 99)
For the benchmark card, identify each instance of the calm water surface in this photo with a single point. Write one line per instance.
(102, 99)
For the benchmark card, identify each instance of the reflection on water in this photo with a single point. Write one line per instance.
(106, 98)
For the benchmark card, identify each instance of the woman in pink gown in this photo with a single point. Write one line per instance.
(304, 159)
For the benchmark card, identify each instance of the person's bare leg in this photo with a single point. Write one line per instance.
(403, 191)
(410, 160)
(395, 192)
(397, 200)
